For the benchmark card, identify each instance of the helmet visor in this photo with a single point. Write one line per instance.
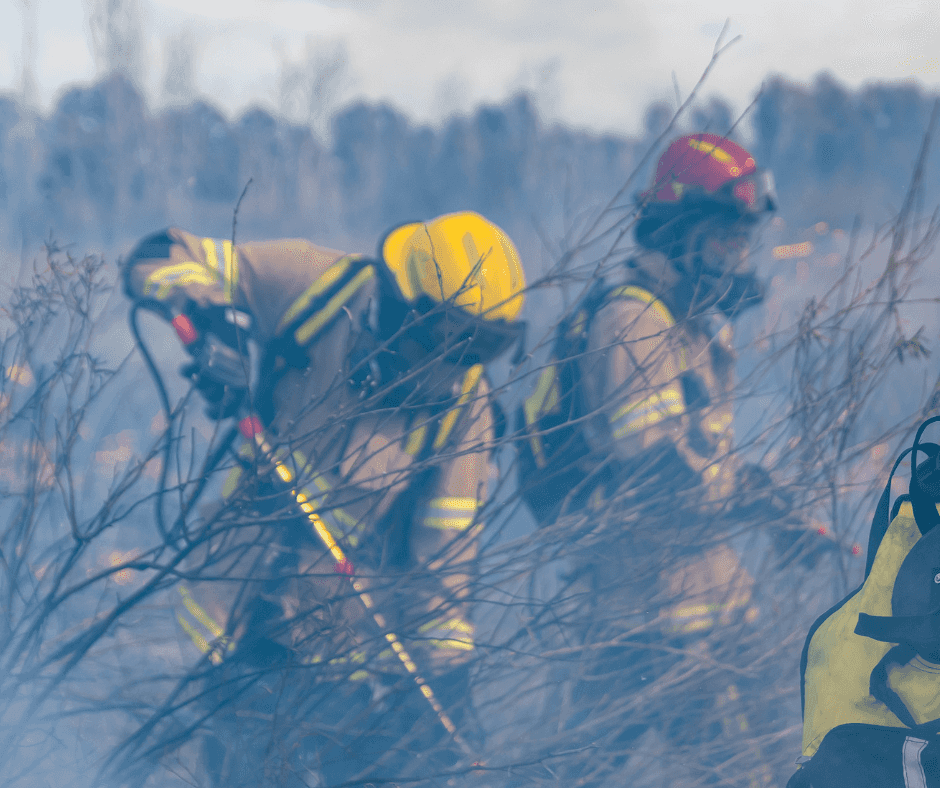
(753, 193)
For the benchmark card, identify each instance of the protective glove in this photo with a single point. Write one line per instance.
(759, 498)
(217, 339)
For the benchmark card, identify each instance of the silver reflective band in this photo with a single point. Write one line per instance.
(238, 318)
(914, 776)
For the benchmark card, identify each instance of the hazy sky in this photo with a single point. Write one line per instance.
(594, 64)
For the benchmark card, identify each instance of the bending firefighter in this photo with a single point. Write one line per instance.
(630, 424)
(368, 459)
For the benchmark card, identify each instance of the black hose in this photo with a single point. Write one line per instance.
(214, 458)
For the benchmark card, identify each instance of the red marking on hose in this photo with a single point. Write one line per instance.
(856, 549)
(250, 426)
(822, 531)
(344, 567)
(185, 329)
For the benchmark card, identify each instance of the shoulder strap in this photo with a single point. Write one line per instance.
(881, 521)
(878, 684)
(923, 493)
(925, 481)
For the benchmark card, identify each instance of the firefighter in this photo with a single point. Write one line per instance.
(870, 668)
(632, 416)
(372, 400)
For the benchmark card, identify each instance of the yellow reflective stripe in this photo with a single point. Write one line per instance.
(246, 452)
(416, 440)
(169, 276)
(310, 327)
(201, 643)
(464, 644)
(231, 482)
(645, 297)
(694, 618)
(199, 614)
(212, 259)
(450, 513)
(453, 502)
(719, 423)
(300, 460)
(456, 624)
(455, 633)
(366, 598)
(636, 416)
(338, 522)
(322, 283)
(712, 149)
(221, 257)
(230, 255)
(470, 381)
(544, 400)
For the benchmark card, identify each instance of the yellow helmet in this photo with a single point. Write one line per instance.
(461, 258)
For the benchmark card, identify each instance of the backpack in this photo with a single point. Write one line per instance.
(890, 750)
(553, 453)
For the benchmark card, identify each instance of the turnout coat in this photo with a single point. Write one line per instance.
(394, 458)
(636, 402)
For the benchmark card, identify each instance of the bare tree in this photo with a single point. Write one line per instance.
(310, 87)
(179, 80)
(115, 29)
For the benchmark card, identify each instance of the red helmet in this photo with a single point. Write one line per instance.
(707, 168)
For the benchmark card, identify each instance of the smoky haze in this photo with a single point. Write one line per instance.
(102, 169)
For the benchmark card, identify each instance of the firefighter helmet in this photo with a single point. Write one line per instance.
(703, 167)
(460, 258)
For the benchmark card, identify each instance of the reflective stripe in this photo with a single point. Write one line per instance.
(708, 147)
(719, 424)
(695, 618)
(178, 275)
(914, 776)
(212, 259)
(341, 525)
(246, 452)
(231, 482)
(356, 658)
(220, 257)
(310, 327)
(201, 642)
(470, 381)
(646, 297)
(337, 552)
(636, 416)
(450, 513)
(230, 256)
(199, 614)
(323, 282)
(416, 439)
(544, 400)
(454, 633)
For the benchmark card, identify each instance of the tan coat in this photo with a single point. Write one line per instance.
(650, 404)
(398, 480)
